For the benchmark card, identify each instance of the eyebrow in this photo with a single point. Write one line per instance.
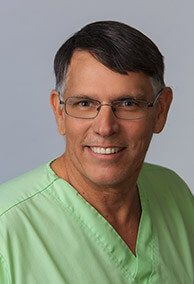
(130, 96)
(82, 97)
(119, 98)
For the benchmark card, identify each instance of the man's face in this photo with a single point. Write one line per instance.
(88, 139)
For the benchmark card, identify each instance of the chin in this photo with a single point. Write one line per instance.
(106, 178)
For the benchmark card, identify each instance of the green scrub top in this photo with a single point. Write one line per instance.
(50, 235)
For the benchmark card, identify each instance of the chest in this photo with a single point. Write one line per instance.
(62, 245)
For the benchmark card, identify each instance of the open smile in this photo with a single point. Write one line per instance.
(105, 151)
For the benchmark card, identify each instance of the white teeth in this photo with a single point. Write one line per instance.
(105, 151)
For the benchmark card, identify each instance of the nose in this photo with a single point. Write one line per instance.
(105, 124)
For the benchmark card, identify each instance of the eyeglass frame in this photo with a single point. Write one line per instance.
(147, 105)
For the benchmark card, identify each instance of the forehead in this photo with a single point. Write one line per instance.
(86, 75)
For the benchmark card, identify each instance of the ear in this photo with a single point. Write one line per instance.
(58, 111)
(162, 108)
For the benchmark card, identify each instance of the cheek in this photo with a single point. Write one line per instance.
(139, 135)
(75, 133)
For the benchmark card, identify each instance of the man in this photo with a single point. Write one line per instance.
(98, 214)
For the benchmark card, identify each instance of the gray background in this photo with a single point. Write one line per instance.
(32, 31)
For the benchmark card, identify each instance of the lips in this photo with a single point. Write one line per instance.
(105, 151)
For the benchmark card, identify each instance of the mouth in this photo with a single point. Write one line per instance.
(105, 150)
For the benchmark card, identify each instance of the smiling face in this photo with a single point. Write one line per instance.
(107, 151)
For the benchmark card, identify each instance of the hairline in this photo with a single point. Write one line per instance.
(61, 87)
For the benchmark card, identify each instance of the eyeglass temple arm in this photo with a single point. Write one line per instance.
(60, 100)
(151, 104)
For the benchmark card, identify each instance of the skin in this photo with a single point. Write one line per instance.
(108, 182)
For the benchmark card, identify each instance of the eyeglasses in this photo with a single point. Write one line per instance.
(126, 108)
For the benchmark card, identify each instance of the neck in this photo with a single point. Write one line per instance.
(119, 204)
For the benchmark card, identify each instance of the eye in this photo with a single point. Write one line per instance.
(81, 103)
(85, 103)
(127, 103)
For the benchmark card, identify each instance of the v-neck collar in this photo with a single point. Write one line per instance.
(104, 234)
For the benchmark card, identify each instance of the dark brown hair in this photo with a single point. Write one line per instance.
(118, 46)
